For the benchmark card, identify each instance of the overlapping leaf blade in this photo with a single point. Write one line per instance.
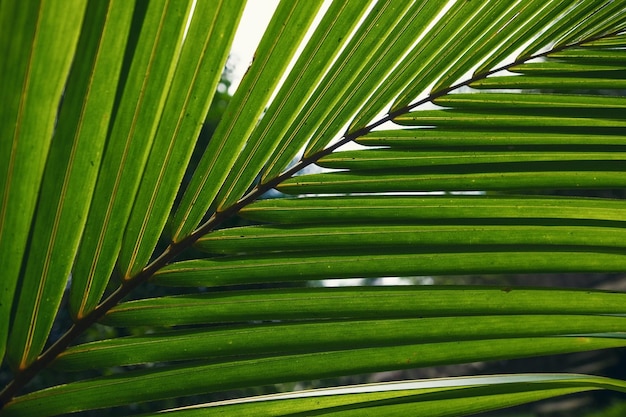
(336, 303)
(460, 138)
(560, 26)
(34, 73)
(379, 42)
(384, 44)
(419, 58)
(192, 379)
(526, 142)
(289, 24)
(515, 177)
(526, 28)
(596, 25)
(428, 209)
(480, 167)
(519, 101)
(137, 118)
(315, 59)
(579, 69)
(394, 238)
(438, 398)
(553, 83)
(392, 159)
(320, 265)
(280, 339)
(611, 41)
(198, 73)
(70, 176)
(461, 51)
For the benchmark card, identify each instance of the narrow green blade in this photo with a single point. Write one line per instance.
(419, 58)
(384, 44)
(527, 29)
(137, 118)
(490, 29)
(559, 27)
(288, 26)
(377, 302)
(140, 386)
(70, 175)
(328, 39)
(404, 159)
(455, 38)
(445, 138)
(419, 210)
(376, 39)
(321, 265)
(553, 83)
(444, 397)
(280, 339)
(611, 41)
(381, 239)
(37, 46)
(606, 56)
(202, 60)
(580, 69)
(495, 101)
(533, 117)
(548, 175)
(597, 24)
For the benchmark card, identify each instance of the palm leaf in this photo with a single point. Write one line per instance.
(143, 96)
(193, 86)
(441, 397)
(424, 88)
(75, 161)
(31, 39)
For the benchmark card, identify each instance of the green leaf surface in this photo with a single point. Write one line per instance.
(487, 30)
(137, 118)
(37, 46)
(494, 101)
(140, 386)
(376, 40)
(197, 75)
(409, 210)
(381, 239)
(70, 176)
(464, 178)
(455, 32)
(611, 41)
(534, 117)
(406, 159)
(443, 397)
(526, 29)
(321, 264)
(377, 302)
(287, 27)
(419, 59)
(325, 43)
(607, 19)
(455, 403)
(558, 28)
(580, 69)
(606, 56)
(280, 339)
(553, 83)
(447, 138)
(384, 43)
(95, 162)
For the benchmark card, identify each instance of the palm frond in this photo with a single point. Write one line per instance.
(512, 101)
